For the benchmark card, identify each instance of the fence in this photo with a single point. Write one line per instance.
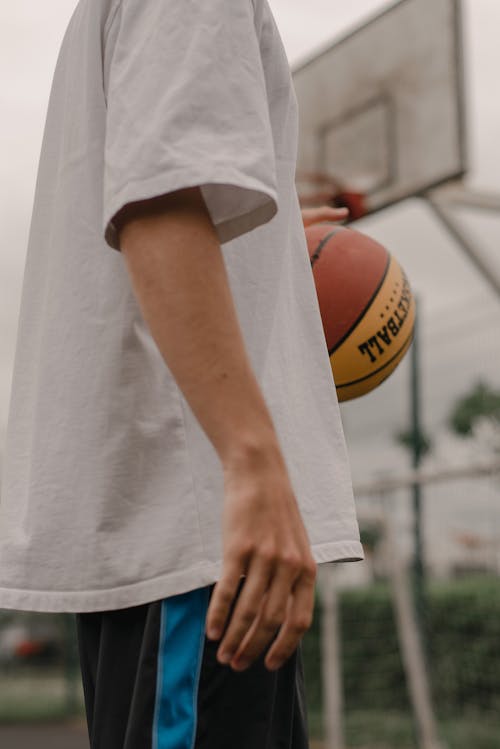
(404, 654)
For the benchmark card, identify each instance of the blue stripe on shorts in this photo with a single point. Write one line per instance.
(180, 653)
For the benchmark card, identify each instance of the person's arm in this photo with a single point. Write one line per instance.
(178, 274)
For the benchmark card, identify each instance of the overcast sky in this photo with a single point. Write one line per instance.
(460, 315)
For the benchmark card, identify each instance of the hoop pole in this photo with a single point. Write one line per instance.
(488, 270)
(456, 194)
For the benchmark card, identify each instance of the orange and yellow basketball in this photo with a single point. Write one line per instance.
(366, 305)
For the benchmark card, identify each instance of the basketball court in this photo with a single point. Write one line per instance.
(384, 124)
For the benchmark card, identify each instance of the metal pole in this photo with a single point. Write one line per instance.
(456, 194)
(417, 448)
(489, 271)
(382, 486)
(72, 674)
(331, 658)
(409, 638)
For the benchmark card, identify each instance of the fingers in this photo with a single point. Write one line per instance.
(272, 615)
(247, 607)
(323, 213)
(298, 621)
(276, 593)
(330, 211)
(223, 596)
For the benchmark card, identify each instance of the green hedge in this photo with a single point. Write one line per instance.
(462, 625)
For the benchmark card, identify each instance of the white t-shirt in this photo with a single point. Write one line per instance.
(112, 493)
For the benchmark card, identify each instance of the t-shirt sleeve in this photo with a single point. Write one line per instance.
(186, 105)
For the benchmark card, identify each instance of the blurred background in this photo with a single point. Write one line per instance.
(405, 647)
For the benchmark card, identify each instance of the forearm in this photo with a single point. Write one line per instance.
(179, 277)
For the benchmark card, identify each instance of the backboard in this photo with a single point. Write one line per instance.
(381, 111)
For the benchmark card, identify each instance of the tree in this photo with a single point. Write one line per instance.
(406, 438)
(482, 402)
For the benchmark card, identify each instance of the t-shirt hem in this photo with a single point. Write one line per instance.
(136, 594)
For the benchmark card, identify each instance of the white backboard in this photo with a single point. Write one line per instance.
(382, 109)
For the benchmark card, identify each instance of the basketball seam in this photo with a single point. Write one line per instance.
(365, 310)
(317, 253)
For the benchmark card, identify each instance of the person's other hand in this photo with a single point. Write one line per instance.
(323, 213)
(266, 541)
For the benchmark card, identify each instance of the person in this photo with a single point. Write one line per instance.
(175, 463)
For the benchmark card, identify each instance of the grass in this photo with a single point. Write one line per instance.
(393, 730)
(35, 697)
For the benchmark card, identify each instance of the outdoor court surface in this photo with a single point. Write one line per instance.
(66, 736)
(58, 736)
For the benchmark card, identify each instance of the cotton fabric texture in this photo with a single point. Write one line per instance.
(112, 494)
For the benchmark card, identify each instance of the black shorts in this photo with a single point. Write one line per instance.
(151, 680)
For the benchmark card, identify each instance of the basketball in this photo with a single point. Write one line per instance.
(366, 305)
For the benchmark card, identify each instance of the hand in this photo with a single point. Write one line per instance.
(266, 541)
(323, 213)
